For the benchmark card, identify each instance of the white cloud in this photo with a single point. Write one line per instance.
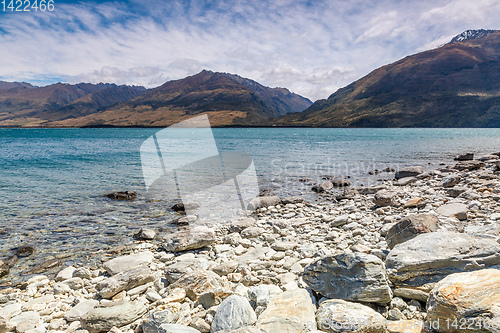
(310, 47)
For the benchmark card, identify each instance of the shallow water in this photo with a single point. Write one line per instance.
(52, 181)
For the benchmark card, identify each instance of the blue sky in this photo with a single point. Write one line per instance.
(311, 47)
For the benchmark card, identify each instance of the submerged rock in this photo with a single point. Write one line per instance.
(126, 195)
(323, 187)
(4, 269)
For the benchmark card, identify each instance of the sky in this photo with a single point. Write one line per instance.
(312, 47)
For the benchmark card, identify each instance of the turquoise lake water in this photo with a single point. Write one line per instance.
(52, 181)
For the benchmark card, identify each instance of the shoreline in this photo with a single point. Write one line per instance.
(370, 242)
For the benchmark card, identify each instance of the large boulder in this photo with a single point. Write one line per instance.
(409, 172)
(466, 302)
(261, 202)
(409, 227)
(349, 276)
(189, 239)
(292, 311)
(125, 263)
(119, 314)
(234, 312)
(338, 316)
(426, 259)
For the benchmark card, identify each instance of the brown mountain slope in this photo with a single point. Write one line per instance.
(227, 99)
(456, 85)
(26, 105)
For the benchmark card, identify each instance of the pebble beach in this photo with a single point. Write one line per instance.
(418, 252)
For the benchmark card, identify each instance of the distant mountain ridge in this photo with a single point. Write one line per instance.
(456, 85)
(228, 99)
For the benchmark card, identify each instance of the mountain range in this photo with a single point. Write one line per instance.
(455, 85)
(229, 100)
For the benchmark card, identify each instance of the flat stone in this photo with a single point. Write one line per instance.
(409, 172)
(225, 268)
(132, 278)
(471, 297)
(158, 317)
(454, 209)
(79, 310)
(65, 274)
(26, 321)
(292, 200)
(410, 293)
(190, 239)
(357, 277)
(234, 312)
(262, 202)
(469, 165)
(455, 191)
(414, 202)
(409, 227)
(239, 225)
(291, 311)
(174, 328)
(102, 319)
(405, 181)
(426, 259)
(340, 316)
(252, 232)
(284, 246)
(125, 263)
(464, 157)
(176, 270)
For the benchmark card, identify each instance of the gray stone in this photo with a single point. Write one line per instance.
(410, 293)
(174, 328)
(323, 187)
(234, 312)
(252, 232)
(175, 271)
(26, 321)
(424, 260)
(455, 191)
(450, 180)
(65, 274)
(74, 283)
(340, 221)
(79, 310)
(225, 268)
(350, 276)
(337, 315)
(284, 246)
(409, 172)
(262, 294)
(190, 239)
(292, 200)
(83, 273)
(145, 234)
(124, 281)
(485, 158)
(469, 165)
(340, 182)
(239, 225)
(158, 317)
(125, 263)
(261, 202)
(385, 198)
(410, 227)
(464, 157)
(453, 209)
(291, 311)
(119, 314)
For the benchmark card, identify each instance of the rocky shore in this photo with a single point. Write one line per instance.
(419, 253)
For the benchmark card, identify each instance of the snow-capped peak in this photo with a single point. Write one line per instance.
(471, 34)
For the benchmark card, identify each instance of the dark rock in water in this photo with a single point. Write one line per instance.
(464, 157)
(409, 172)
(45, 266)
(323, 187)
(292, 200)
(145, 234)
(180, 207)
(25, 251)
(4, 269)
(3, 231)
(340, 183)
(127, 195)
(469, 165)
(12, 260)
